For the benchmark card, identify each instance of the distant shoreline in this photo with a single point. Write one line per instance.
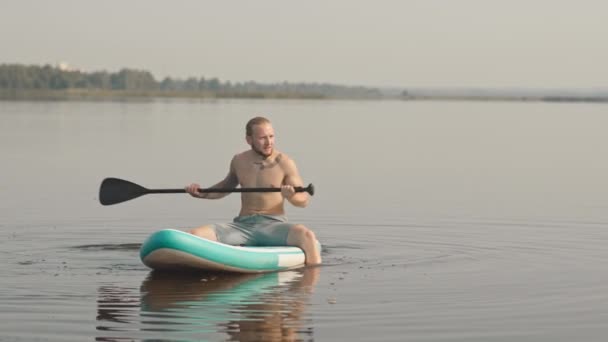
(125, 95)
(508, 98)
(110, 95)
(35, 82)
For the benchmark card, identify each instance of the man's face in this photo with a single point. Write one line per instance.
(262, 139)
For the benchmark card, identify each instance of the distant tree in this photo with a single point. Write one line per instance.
(99, 80)
(202, 84)
(191, 84)
(167, 84)
(213, 84)
(58, 80)
(127, 79)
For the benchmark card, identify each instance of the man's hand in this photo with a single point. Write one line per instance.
(287, 191)
(192, 189)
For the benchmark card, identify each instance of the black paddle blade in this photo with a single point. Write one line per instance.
(310, 189)
(114, 190)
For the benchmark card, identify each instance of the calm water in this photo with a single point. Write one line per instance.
(441, 221)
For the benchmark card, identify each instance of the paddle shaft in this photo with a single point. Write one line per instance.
(218, 190)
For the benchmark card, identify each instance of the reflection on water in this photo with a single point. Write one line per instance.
(234, 307)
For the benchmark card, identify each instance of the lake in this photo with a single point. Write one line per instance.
(440, 221)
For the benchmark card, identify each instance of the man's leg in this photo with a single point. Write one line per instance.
(304, 238)
(206, 232)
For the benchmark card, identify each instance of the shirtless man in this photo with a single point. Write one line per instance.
(261, 220)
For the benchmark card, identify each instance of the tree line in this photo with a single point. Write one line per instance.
(51, 78)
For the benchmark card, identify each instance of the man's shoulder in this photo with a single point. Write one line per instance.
(241, 156)
(282, 158)
(285, 161)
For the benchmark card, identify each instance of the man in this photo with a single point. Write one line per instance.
(261, 220)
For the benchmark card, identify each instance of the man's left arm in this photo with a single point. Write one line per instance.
(293, 179)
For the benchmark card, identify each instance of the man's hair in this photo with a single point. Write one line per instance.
(258, 120)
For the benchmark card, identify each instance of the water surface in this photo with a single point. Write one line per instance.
(441, 221)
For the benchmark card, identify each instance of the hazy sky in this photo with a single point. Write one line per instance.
(542, 43)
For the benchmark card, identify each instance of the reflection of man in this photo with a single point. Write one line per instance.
(281, 317)
(261, 220)
(276, 314)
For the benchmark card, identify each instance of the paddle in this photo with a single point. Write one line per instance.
(114, 190)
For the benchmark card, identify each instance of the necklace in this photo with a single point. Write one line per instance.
(263, 164)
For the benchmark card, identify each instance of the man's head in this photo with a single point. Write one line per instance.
(260, 136)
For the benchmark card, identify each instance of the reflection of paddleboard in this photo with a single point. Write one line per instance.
(162, 291)
(171, 249)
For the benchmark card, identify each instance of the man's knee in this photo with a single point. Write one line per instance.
(302, 233)
(306, 239)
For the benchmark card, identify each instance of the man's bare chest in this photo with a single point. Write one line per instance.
(260, 174)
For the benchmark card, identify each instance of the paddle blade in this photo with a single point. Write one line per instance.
(310, 189)
(114, 190)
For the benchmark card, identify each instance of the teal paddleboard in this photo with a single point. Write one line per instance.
(171, 249)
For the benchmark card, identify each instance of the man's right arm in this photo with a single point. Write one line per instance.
(230, 182)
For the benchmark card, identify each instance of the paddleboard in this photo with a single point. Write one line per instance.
(171, 249)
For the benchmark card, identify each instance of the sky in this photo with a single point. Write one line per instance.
(402, 43)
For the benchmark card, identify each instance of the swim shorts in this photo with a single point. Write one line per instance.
(254, 230)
